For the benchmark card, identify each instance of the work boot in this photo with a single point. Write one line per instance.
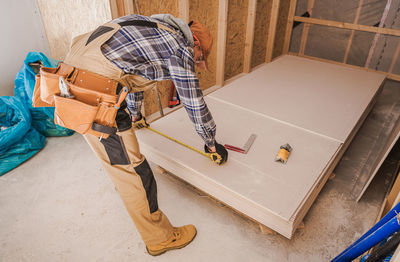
(181, 237)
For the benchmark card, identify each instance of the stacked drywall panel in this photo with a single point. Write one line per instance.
(374, 141)
(313, 106)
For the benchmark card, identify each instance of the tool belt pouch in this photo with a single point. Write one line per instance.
(84, 116)
(49, 82)
(104, 122)
(74, 114)
(36, 100)
(91, 110)
(98, 120)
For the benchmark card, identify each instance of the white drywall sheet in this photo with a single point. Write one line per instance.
(271, 193)
(325, 98)
(274, 188)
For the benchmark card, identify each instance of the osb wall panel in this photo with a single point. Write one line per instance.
(235, 39)
(281, 27)
(65, 19)
(148, 8)
(263, 13)
(151, 101)
(206, 12)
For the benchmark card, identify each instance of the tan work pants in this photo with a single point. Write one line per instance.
(137, 188)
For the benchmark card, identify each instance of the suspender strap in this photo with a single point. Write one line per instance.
(147, 24)
(104, 29)
(139, 23)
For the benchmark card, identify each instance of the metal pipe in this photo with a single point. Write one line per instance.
(395, 210)
(390, 227)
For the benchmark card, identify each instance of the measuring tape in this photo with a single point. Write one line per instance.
(216, 158)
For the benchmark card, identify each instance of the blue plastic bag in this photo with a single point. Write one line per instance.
(42, 117)
(18, 141)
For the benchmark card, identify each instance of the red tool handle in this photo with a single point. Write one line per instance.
(234, 148)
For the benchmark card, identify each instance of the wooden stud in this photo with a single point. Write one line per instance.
(272, 30)
(376, 37)
(346, 54)
(365, 28)
(120, 7)
(248, 46)
(306, 28)
(183, 6)
(129, 7)
(396, 55)
(114, 9)
(221, 44)
(137, 6)
(289, 26)
(391, 76)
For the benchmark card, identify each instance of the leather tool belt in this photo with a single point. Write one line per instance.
(84, 101)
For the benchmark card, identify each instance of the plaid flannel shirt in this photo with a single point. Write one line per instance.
(158, 54)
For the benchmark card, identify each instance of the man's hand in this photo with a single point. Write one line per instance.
(218, 149)
(139, 122)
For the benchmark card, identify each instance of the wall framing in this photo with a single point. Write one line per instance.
(308, 21)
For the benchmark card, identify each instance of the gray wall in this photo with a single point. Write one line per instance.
(330, 43)
(21, 31)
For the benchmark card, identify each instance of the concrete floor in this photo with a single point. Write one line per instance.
(61, 206)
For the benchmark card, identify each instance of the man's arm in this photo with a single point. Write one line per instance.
(134, 101)
(181, 68)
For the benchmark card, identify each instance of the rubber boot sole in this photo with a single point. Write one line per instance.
(162, 251)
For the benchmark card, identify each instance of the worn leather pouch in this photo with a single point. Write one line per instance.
(104, 121)
(94, 82)
(36, 100)
(91, 96)
(49, 81)
(74, 114)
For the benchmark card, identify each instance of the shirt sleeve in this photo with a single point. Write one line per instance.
(134, 103)
(181, 69)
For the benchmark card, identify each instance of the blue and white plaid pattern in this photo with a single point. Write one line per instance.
(158, 54)
(134, 102)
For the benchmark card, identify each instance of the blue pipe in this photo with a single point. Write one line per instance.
(395, 210)
(371, 240)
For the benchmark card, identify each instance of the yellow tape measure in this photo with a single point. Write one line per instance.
(216, 158)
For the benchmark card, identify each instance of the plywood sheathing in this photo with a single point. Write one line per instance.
(65, 19)
(235, 39)
(261, 32)
(151, 105)
(148, 8)
(123, 7)
(206, 12)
